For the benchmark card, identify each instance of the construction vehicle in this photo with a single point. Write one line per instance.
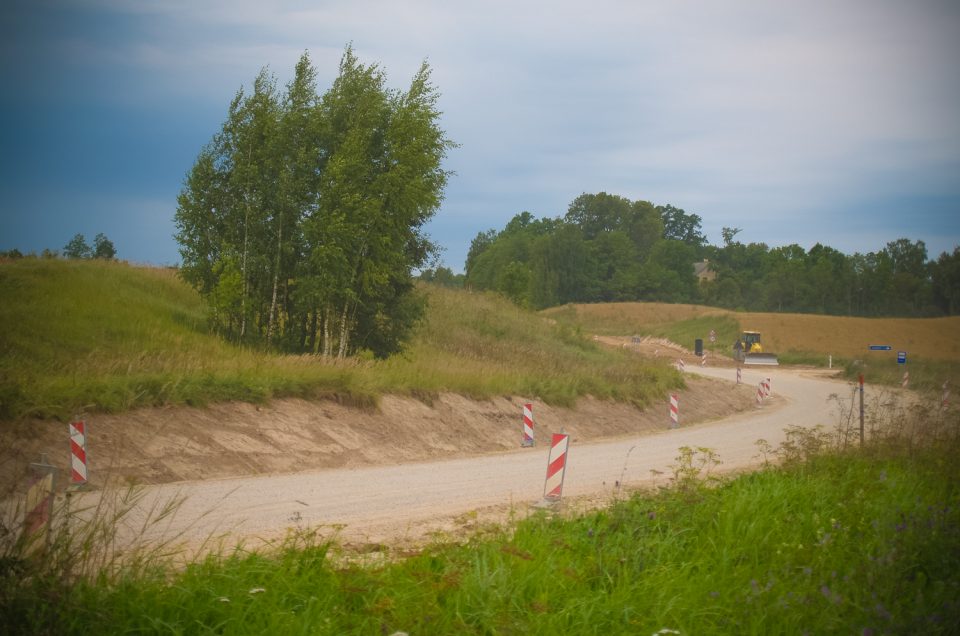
(748, 350)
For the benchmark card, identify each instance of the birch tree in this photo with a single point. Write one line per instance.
(303, 218)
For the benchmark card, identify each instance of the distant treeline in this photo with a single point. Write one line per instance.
(608, 248)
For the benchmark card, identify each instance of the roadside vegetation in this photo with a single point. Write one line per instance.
(829, 538)
(106, 336)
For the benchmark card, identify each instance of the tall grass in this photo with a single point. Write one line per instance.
(827, 540)
(106, 336)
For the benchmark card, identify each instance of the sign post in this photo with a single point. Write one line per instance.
(861, 410)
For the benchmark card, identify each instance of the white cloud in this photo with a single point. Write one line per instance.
(738, 110)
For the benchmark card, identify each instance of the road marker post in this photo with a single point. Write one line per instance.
(766, 388)
(759, 394)
(527, 439)
(78, 453)
(906, 379)
(739, 376)
(556, 467)
(680, 365)
(945, 396)
(674, 410)
(703, 360)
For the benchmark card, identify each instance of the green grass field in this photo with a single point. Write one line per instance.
(106, 336)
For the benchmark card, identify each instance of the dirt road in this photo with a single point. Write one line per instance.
(398, 503)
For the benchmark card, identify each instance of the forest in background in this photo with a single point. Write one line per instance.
(608, 248)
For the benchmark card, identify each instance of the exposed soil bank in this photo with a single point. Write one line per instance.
(163, 445)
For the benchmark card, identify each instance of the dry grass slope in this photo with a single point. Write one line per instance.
(929, 338)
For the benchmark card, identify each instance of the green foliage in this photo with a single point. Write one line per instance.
(317, 203)
(895, 281)
(945, 274)
(102, 335)
(442, 276)
(607, 248)
(103, 247)
(841, 543)
(77, 248)
(680, 226)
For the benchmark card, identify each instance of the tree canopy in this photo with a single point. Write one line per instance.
(608, 248)
(302, 220)
(79, 248)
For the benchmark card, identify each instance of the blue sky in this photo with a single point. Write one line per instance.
(799, 122)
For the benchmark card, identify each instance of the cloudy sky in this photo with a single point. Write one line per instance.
(799, 122)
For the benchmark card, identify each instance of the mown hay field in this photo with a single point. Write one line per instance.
(926, 338)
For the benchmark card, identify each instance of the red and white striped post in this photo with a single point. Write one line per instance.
(674, 410)
(739, 376)
(703, 360)
(39, 506)
(759, 393)
(78, 453)
(766, 387)
(906, 379)
(556, 466)
(680, 365)
(527, 439)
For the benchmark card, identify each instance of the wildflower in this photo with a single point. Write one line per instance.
(223, 599)
(665, 630)
(257, 590)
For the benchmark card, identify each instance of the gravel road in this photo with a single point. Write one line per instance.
(392, 502)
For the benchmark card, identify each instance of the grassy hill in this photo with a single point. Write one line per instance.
(932, 344)
(108, 336)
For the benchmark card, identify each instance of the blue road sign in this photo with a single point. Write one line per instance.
(901, 357)
(880, 347)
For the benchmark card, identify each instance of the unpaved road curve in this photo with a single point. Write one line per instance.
(393, 503)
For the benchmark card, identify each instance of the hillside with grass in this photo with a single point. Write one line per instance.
(107, 336)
